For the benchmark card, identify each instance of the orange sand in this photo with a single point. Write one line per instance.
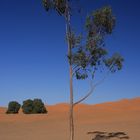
(123, 115)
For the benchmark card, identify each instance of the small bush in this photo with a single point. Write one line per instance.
(27, 106)
(35, 106)
(38, 106)
(13, 107)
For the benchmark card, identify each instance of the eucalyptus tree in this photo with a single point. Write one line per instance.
(87, 54)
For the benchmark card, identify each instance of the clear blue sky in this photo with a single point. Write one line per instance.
(33, 61)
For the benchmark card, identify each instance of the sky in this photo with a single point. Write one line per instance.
(33, 49)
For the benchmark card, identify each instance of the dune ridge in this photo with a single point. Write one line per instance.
(123, 115)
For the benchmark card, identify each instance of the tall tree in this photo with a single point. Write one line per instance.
(88, 54)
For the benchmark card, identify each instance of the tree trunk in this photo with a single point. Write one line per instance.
(68, 32)
(71, 107)
(71, 120)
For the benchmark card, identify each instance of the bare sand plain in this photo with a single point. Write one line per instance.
(123, 115)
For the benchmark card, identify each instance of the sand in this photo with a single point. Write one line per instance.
(117, 116)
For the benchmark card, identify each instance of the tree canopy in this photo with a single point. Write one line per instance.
(86, 58)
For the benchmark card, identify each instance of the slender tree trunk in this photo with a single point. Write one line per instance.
(68, 32)
(71, 107)
(71, 120)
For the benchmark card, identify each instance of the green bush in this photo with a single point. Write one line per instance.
(39, 106)
(35, 106)
(13, 107)
(27, 106)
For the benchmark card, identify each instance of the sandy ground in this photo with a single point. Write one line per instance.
(123, 116)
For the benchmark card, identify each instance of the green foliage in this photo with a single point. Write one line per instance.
(13, 107)
(104, 19)
(88, 58)
(114, 63)
(75, 40)
(38, 106)
(58, 5)
(27, 106)
(47, 4)
(35, 106)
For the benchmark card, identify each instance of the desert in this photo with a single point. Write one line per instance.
(119, 116)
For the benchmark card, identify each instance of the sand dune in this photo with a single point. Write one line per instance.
(117, 116)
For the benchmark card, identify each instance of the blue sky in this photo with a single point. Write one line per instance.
(33, 49)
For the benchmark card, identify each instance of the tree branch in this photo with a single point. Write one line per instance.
(86, 96)
(91, 89)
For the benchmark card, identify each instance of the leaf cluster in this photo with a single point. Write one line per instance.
(13, 107)
(86, 59)
(33, 106)
(58, 5)
(114, 63)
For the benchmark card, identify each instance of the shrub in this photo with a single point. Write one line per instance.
(13, 107)
(27, 106)
(39, 106)
(35, 106)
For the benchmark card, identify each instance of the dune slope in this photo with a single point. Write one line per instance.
(117, 116)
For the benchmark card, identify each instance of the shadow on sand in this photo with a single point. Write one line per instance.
(98, 135)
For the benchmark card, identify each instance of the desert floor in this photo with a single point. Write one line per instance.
(123, 116)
